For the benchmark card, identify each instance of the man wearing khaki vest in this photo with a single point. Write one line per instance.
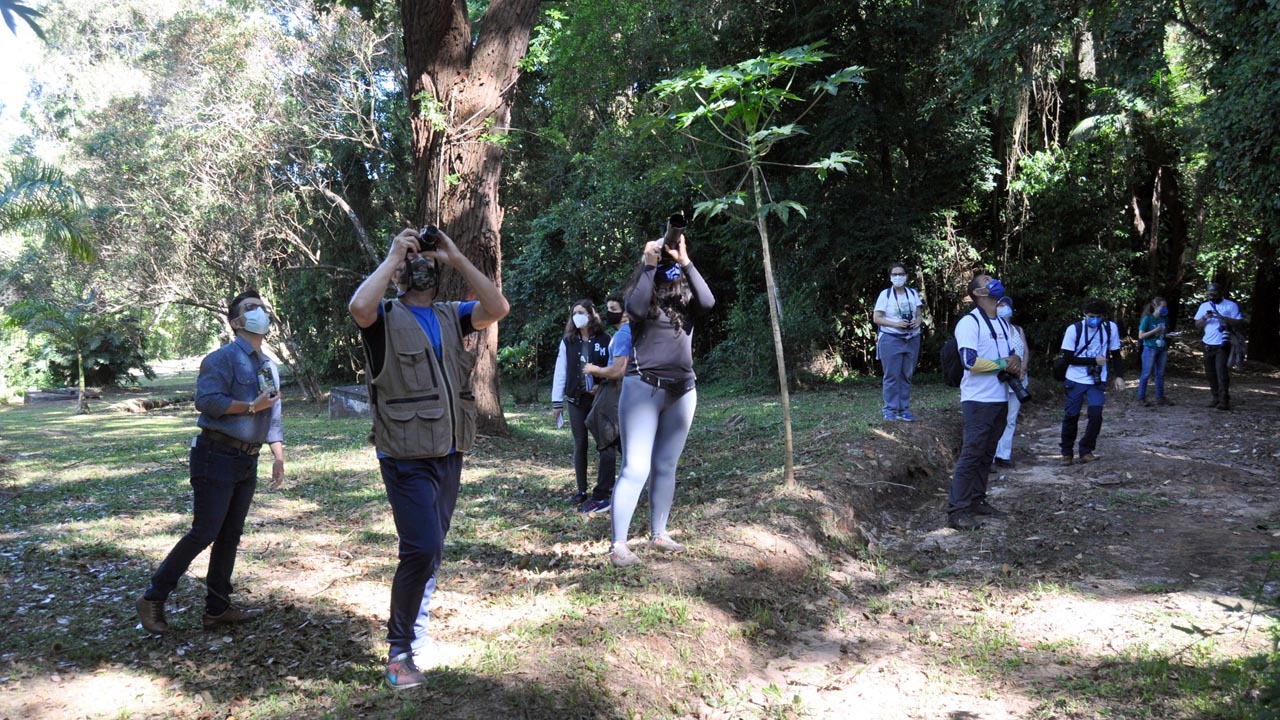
(424, 418)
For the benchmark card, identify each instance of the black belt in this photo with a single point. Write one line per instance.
(670, 384)
(225, 439)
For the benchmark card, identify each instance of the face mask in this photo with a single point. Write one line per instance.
(1004, 311)
(995, 289)
(419, 274)
(669, 274)
(613, 318)
(1093, 322)
(257, 322)
(1162, 312)
(580, 320)
(898, 280)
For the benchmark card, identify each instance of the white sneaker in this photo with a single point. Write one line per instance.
(666, 544)
(621, 556)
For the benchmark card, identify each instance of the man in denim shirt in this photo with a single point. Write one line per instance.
(239, 402)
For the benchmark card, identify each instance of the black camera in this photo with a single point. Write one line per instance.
(1095, 372)
(675, 228)
(428, 237)
(1019, 390)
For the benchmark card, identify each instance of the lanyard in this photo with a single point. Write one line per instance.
(991, 329)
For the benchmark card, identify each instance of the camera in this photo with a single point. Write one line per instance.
(675, 228)
(1095, 372)
(428, 237)
(1019, 390)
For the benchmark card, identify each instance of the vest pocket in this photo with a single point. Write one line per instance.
(417, 431)
(415, 368)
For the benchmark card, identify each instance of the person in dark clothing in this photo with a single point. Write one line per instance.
(424, 418)
(609, 382)
(1216, 316)
(666, 294)
(239, 402)
(584, 343)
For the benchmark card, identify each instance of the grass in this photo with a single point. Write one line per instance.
(91, 503)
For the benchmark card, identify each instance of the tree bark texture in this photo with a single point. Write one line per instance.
(467, 86)
(1264, 315)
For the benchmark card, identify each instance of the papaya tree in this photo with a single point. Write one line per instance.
(737, 114)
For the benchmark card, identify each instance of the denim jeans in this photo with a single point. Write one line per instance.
(222, 482)
(1077, 394)
(1153, 363)
(898, 356)
(983, 424)
(422, 494)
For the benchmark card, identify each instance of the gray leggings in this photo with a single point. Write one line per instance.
(654, 425)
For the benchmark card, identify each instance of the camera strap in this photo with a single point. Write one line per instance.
(992, 329)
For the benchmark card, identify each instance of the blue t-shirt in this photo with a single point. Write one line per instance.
(620, 345)
(375, 336)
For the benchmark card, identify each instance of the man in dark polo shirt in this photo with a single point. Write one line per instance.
(239, 402)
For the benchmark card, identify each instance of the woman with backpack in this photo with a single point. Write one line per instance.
(897, 317)
(585, 342)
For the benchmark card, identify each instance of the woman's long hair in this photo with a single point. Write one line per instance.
(671, 297)
(594, 326)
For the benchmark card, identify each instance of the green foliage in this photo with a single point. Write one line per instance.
(81, 342)
(12, 10)
(38, 199)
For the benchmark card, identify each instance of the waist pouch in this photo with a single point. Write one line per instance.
(679, 387)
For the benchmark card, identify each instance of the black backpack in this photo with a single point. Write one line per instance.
(952, 365)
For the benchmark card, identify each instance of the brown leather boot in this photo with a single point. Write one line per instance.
(230, 616)
(151, 613)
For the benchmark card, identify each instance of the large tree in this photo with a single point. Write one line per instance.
(461, 80)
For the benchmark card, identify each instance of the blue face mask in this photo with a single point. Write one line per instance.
(995, 289)
(670, 274)
(1004, 311)
(1162, 312)
(1093, 322)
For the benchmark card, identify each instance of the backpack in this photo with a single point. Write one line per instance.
(952, 365)
(1062, 363)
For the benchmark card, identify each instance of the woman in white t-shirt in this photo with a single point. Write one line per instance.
(897, 316)
(1018, 346)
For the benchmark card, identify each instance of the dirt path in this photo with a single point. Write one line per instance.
(1150, 552)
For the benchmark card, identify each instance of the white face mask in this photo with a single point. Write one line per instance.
(898, 280)
(580, 320)
(1004, 311)
(257, 322)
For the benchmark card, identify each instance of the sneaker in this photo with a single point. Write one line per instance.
(591, 507)
(1163, 401)
(621, 556)
(890, 415)
(230, 616)
(1066, 460)
(666, 544)
(1143, 402)
(1001, 462)
(1087, 458)
(151, 613)
(433, 654)
(963, 520)
(1224, 406)
(402, 673)
(906, 416)
(579, 498)
(987, 509)
(1212, 404)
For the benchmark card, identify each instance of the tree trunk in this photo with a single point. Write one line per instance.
(771, 290)
(82, 403)
(1264, 316)
(457, 145)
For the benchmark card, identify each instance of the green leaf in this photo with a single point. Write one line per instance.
(783, 209)
(713, 207)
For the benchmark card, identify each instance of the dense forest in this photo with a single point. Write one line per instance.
(177, 151)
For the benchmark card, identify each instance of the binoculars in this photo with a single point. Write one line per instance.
(675, 228)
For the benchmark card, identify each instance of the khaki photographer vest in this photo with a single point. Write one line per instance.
(423, 407)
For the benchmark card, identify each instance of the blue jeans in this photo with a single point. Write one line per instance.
(898, 356)
(422, 494)
(983, 424)
(1077, 394)
(222, 483)
(1153, 362)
